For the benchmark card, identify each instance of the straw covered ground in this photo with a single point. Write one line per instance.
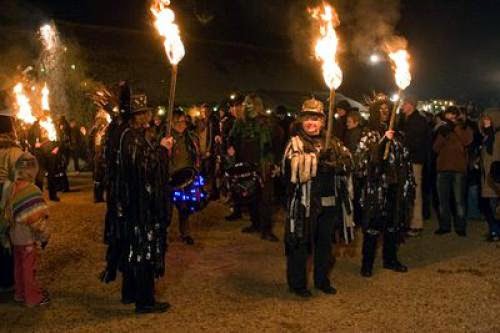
(231, 282)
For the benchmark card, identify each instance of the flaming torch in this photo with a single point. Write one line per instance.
(24, 112)
(174, 48)
(401, 63)
(45, 98)
(325, 51)
(49, 126)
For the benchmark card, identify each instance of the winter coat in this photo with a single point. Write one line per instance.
(450, 146)
(417, 136)
(490, 189)
(27, 213)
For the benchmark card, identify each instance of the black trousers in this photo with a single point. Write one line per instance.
(138, 285)
(6, 269)
(322, 254)
(260, 209)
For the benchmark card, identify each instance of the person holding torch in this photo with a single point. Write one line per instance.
(388, 187)
(317, 192)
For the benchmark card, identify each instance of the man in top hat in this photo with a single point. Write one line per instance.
(317, 179)
(140, 233)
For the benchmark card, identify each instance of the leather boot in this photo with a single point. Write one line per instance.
(98, 192)
(390, 253)
(369, 248)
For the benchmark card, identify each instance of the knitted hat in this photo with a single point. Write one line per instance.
(27, 163)
(343, 104)
(312, 107)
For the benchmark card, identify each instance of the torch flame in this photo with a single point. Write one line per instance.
(49, 37)
(24, 111)
(327, 44)
(49, 126)
(164, 23)
(401, 61)
(45, 98)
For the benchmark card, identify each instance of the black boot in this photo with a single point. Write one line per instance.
(98, 192)
(390, 253)
(369, 248)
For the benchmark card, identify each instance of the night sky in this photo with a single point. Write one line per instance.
(454, 43)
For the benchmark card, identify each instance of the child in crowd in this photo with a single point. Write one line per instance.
(27, 214)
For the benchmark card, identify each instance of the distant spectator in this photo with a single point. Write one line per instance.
(417, 137)
(489, 126)
(450, 145)
(353, 130)
(76, 143)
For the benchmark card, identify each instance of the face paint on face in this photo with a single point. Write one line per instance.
(312, 125)
(384, 113)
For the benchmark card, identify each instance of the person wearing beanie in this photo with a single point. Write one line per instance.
(317, 199)
(10, 151)
(342, 108)
(27, 214)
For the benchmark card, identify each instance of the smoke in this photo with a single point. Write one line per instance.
(366, 26)
(374, 26)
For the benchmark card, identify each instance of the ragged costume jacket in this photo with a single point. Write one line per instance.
(315, 179)
(137, 201)
(388, 185)
(144, 200)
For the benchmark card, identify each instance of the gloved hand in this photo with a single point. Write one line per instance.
(446, 129)
(44, 244)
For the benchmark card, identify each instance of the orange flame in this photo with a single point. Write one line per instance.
(49, 126)
(49, 37)
(24, 111)
(401, 61)
(45, 98)
(327, 44)
(164, 23)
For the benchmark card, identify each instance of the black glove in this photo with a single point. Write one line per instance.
(44, 244)
(446, 129)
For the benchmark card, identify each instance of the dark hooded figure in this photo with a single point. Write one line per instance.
(388, 187)
(317, 195)
(137, 218)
